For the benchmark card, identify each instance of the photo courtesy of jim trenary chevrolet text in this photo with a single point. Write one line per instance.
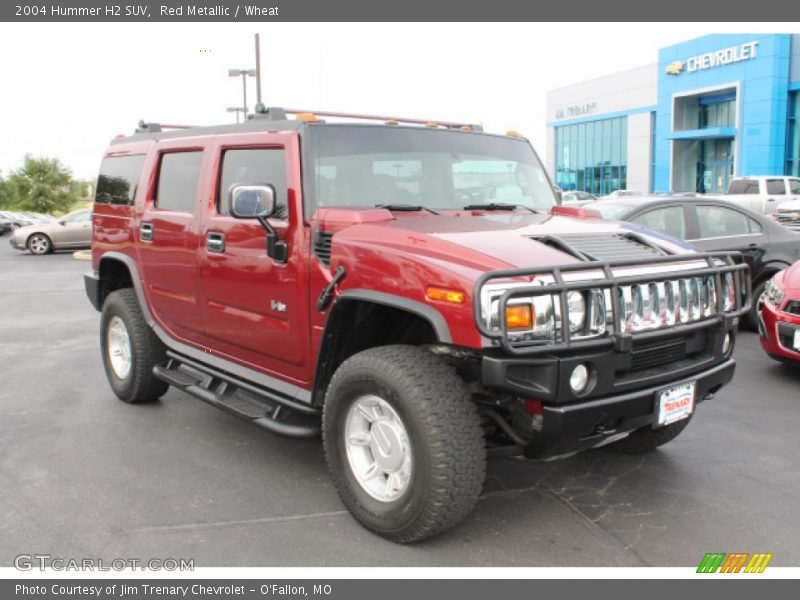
(324, 299)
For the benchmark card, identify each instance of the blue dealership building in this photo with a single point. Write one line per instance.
(710, 109)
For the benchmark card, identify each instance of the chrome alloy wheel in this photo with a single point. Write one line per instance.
(378, 448)
(39, 244)
(119, 347)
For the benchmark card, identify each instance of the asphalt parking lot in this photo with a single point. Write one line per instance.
(84, 475)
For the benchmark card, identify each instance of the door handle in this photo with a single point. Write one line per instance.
(146, 232)
(215, 242)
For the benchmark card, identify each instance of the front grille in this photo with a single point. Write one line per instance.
(322, 247)
(646, 356)
(787, 341)
(789, 217)
(793, 307)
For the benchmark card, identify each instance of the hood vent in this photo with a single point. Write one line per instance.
(322, 247)
(604, 246)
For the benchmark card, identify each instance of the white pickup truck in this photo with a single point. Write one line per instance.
(763, 194)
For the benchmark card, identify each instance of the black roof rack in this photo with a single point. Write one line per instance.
(158, 127)
(280, 114)
(275, 114)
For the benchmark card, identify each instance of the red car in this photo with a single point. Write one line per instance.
(779, 325)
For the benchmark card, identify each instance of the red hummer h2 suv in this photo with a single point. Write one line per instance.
(410, 290)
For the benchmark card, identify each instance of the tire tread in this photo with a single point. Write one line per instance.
(147, 349)
(452, 427)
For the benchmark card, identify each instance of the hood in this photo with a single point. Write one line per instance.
(504, 239)
(28, 229)
(789, 206)
(791, 278)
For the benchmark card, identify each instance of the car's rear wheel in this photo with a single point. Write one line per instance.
(39, 243)
(403, 442)
(648, 438)
(130, 349)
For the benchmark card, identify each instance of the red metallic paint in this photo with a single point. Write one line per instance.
(772, 315)
(222, 303)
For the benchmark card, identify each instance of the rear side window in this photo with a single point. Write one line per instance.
(718, 221)
(254, 166)
(669, 220)
(744, 186)
(776, 187)
(118, 179)
(177, 181)
(794, 186)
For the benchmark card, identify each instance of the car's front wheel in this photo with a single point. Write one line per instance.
(130, 349)
(39, 243)
(750, 320)
(403, 442)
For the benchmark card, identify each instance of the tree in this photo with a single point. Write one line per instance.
(5, 194)
(41, 185)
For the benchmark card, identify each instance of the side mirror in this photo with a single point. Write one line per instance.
(258, 202)
(252, 201)
(62, 223)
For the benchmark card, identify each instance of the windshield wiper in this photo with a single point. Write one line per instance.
(498, 206)
(406, 207)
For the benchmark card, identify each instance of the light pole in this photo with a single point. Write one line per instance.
(237, 110)
(243, 73)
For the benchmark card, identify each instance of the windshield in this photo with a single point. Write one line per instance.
(365, 166)
(610, 210)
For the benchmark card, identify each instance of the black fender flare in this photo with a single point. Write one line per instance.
(433, 317)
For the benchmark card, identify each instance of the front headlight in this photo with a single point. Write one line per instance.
(539, 317)
(576, 309)
(774, 292)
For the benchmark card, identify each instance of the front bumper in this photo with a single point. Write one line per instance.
(13, 242)
(579, 426)
(776, 333)
(622, 395)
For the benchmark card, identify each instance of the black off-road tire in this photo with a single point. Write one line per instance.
(448, 449)
(140, 385)
(647, 439)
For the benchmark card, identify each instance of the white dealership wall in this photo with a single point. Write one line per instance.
(631, 93)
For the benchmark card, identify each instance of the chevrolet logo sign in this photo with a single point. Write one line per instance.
(676, 68)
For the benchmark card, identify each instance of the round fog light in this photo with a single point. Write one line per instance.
(579, 379)
(727, 343)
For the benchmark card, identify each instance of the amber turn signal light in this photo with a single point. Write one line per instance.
(445, 295)
(519, 316)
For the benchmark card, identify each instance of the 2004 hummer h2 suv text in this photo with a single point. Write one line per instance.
(412, 291)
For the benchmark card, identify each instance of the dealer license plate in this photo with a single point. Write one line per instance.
(797, 339)
(675, 403)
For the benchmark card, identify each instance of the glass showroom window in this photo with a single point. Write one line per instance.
(592, 156)
(793, 141)
(717, 112)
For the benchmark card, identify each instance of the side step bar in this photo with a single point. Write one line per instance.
(261, 406)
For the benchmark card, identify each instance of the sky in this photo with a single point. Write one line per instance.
(67, 89)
